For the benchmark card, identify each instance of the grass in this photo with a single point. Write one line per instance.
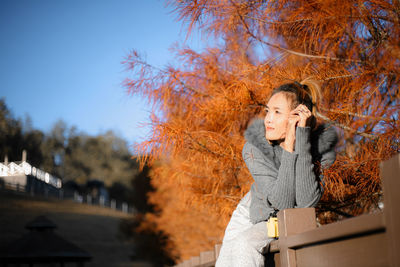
(92, 228)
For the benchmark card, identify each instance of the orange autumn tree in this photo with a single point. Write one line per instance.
(203, 104)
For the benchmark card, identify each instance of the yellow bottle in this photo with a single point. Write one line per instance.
(272, 226)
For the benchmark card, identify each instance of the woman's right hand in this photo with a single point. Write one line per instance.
(290, 137)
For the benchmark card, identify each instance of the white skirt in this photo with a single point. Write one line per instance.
(244, 243)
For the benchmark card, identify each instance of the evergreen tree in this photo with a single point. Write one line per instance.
(203, 104)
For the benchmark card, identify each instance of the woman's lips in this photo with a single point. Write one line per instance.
(269, 128)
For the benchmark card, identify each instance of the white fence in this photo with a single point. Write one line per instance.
(24, 178)
(7, 171)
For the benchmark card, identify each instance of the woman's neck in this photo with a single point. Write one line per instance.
(275, 142)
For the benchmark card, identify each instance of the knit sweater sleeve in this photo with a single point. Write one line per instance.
(308, 190)
(277, 186)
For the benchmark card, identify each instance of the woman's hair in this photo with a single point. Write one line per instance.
(306, 92)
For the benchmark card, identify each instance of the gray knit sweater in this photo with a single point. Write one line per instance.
(283, 179)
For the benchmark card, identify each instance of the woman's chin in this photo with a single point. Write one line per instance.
(269, 135)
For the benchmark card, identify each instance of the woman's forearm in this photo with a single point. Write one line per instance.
(277, 186)
(308, 191)
(282, 195)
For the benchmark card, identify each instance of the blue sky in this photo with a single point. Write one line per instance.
(61, 59)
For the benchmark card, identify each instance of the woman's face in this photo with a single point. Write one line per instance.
(276, 119)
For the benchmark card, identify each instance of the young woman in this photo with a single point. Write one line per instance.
(284, 153)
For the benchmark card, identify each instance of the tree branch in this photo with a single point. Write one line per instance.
(309, 19)
(356, 115)
(340, 77)
(319, 115)
(288, 50)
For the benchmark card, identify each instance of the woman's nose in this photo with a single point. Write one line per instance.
(268, 117)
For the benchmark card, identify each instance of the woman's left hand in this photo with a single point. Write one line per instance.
(304, 113)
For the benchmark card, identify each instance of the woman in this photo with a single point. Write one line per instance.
(283, 153)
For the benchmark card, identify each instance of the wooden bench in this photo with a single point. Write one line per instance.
(366, 240)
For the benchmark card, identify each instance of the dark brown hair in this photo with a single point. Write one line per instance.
(306, 92)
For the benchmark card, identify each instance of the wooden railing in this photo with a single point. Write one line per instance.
(366, 240)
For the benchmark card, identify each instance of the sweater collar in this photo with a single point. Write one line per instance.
(323, 139)
(255, 135)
